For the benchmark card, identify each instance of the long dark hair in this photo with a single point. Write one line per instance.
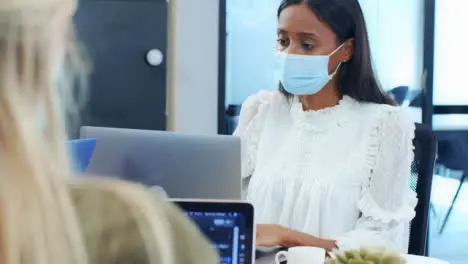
(345, 17)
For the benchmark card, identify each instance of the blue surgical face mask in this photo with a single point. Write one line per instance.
(304, 74)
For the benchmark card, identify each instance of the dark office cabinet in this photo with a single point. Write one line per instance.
(126, 41)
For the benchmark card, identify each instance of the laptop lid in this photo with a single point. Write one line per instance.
(184, 166)
(81, 151)
(229, 225)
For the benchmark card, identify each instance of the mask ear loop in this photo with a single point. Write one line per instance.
(340, 64)
(337, 49)
(337, 68)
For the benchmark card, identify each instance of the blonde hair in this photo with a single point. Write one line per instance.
(37, 218)
(39, 222)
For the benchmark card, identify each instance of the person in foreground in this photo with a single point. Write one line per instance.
(45, 216)
(327, 158)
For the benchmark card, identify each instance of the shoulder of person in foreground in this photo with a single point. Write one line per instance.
(127, 223)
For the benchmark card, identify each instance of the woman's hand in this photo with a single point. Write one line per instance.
(271, 235)
(275, 235)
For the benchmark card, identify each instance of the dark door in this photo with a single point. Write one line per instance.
(126, 91)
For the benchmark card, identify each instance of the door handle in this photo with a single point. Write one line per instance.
(155, 57)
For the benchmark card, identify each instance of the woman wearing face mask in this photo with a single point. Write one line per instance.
(45, 216)
(327, 158)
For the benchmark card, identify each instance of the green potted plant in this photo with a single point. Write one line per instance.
(366, 256)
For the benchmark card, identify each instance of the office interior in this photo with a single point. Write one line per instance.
(193, 73)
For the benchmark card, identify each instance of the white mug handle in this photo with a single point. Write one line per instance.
(280, 255)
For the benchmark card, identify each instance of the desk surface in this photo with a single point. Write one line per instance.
(267, 259)
(270, 259)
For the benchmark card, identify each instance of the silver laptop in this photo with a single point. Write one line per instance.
(184, 166)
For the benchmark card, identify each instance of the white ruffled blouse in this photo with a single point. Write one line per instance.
(339, 173)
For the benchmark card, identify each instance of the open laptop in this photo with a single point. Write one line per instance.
(229, 225)
(81, 151)
(184, 166)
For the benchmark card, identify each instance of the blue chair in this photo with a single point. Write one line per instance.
(81, 151)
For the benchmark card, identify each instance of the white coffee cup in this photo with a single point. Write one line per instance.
(301, 255)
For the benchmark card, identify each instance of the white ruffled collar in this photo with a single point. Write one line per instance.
(323, 119)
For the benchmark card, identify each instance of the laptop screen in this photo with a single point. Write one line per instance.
(229, 226)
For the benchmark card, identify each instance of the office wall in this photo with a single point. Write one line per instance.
(251, 39)
(450, 57)
(396, 35)
(396, 30)
(193, 66)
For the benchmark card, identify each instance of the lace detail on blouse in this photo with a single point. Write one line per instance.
(339, 173)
